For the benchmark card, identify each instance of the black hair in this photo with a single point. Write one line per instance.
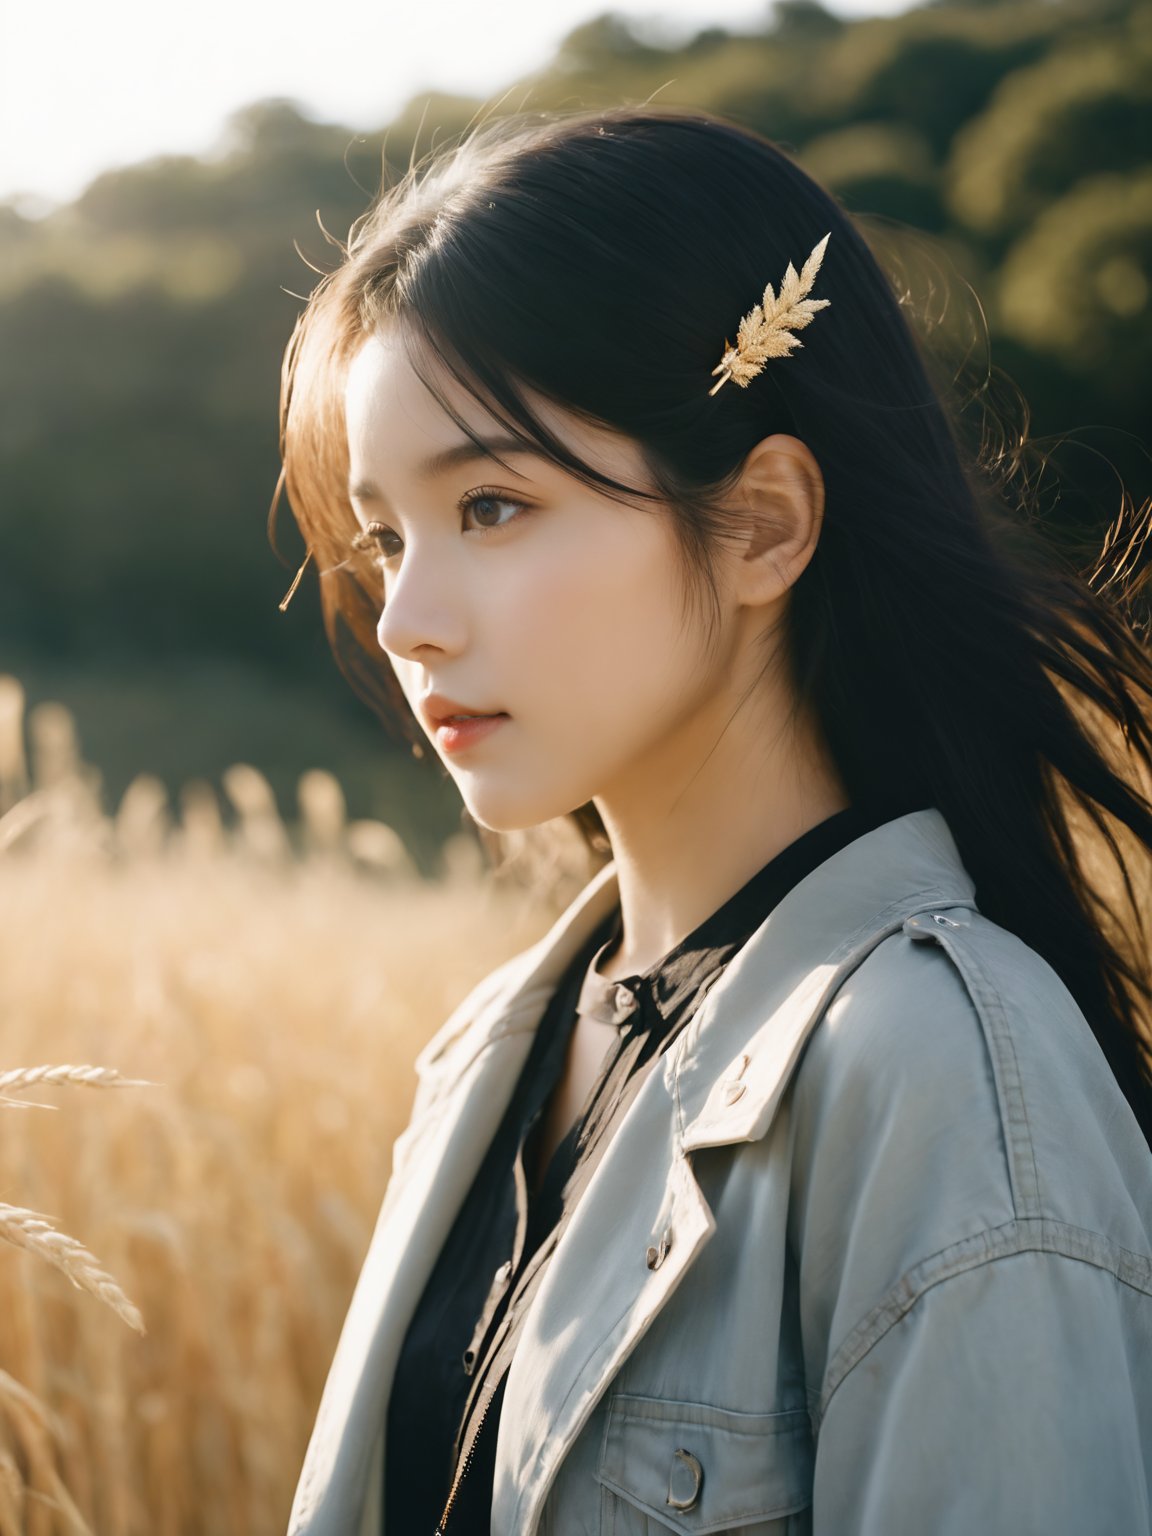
(948, 654)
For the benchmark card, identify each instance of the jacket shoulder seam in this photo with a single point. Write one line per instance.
(988, 1002)
(695, 1123)
(1028, 1234)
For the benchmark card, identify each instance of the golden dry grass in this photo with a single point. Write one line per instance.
(276, 1003)
(273, 984)
(279, 1013)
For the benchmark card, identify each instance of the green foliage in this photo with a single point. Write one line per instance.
(879, 168)
(1077, 111)
(606, 42)
(932, 68)
(141, 327)
(1077, 284)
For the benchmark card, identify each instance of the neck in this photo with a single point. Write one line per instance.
(701, 825)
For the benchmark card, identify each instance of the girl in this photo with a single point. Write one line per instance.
(798, 1179)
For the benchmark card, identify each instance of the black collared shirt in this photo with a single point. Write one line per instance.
(446, 1396)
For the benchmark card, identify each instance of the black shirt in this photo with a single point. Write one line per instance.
(448, 1389)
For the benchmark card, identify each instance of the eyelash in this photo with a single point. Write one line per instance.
(368, 538)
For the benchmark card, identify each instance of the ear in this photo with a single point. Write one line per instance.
(780, 494)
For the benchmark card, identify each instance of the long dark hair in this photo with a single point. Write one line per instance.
(950, 656)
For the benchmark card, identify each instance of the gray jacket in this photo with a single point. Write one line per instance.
(871, 1254)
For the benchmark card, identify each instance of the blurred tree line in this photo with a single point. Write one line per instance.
(141, 330)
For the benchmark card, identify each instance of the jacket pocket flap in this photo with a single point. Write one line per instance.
(698, 1469)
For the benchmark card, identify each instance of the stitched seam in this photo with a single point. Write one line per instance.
(898, 911)
(574, 1390)
(622, 1402)
(1030, 1234)
(771, 1432)
(723, 1522)
(436, 1082)
(676, 1098)
(797, 1499)
(858, 946)
(989, 1004)
(606, 1345)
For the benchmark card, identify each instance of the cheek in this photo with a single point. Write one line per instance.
(604, 622)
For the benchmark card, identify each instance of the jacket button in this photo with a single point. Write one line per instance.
(733, 1092)
(626, 1001)
(657, 1253)
(685, 1481)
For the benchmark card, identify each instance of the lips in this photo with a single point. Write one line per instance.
(458, 734)
(437, 708)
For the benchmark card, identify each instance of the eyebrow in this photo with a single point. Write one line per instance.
(466, 452)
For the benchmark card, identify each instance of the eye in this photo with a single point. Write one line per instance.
(379, 540)
(385, 544)
(483, 497)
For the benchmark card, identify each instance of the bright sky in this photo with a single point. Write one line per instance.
(89, 84)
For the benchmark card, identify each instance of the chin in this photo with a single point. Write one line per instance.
(512, 812)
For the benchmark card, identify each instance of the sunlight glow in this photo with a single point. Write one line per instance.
(86, 87)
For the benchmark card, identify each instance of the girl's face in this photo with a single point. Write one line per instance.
(522, 591)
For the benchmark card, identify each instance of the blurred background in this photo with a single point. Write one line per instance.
(217, 872)
(144, 308)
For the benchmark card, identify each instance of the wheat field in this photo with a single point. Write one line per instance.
(271, 985)
(263, 987)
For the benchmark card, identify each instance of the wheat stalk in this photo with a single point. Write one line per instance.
(16, 1396)
(36, 1234)
(89, 1077)
(766, 331)
(19, 1078)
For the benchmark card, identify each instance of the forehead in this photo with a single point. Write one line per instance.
(384, 392)
(393, 417)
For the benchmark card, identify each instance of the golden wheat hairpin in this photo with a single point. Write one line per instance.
(767, 330)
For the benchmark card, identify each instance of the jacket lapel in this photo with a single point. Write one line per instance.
(631, 1239)
(643, 1217)
(470, 1070)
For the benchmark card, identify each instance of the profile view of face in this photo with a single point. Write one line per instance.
(523, 592)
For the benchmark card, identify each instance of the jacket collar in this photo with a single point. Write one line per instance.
(721, 1083)
(524, 984)
(730, 1080)
(832, 917)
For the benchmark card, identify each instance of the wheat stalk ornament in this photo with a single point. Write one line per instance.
(768, 330)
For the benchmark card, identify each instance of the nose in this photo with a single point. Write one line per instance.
(420, 611)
